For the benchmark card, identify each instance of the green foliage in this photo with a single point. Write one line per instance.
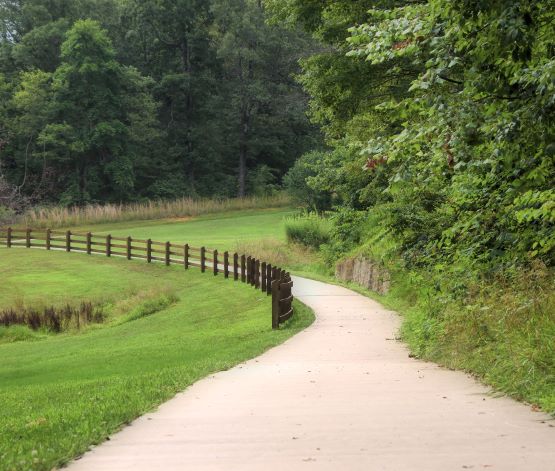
(297, 183)
(445, 125)
(311, 231)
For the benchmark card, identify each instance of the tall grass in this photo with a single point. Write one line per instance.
(53, 217)
(310, 231)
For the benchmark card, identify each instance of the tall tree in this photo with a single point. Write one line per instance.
(89, 136)
(265, 107)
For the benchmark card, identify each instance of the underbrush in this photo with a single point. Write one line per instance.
(292, 256)
(53, 217)
(499, 328)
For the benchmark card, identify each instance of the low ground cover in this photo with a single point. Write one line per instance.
(61, 393)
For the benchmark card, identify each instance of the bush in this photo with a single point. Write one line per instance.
(311, 231)
(297, 183)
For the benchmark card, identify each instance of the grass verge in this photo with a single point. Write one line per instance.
(63, 393)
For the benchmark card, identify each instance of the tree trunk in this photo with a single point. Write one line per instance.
(243, 149)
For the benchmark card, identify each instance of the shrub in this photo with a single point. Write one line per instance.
(297, 183)
(311, 231)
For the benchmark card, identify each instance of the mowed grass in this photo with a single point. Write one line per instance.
(63, 393)
(224, 231)
(35, 278)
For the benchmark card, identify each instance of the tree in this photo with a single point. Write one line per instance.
(264, 117)
(90, 137)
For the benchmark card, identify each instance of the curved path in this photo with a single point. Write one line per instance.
(342, 395)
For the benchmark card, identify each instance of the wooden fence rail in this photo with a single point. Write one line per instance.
(261, 275)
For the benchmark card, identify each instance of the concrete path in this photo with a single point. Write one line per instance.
(342, 395)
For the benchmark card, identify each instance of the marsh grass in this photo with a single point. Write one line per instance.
(54, 217)
(54, 319)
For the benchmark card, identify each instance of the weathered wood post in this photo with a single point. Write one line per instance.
(263, 275)
(215, 263)
(186, 256)
(89, 243)
(257, 274)
(9, 237)
(269, 279)
(68, 241)
(48, 239)
(275, 304)
(28, 238)
(108, 245)
(149, 251)
(249, 269)
(243, 269)
(253, 271)
(226, 264)
(128, 247)
(167, 258)
(202, 259)
(235, 266)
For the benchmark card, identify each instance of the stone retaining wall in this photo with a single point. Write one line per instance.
(364, 272)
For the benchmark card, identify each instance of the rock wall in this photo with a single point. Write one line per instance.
(364, 272)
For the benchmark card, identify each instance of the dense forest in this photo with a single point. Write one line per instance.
(122, 100)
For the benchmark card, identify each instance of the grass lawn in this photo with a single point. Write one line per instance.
(214, 231)
(62, 393)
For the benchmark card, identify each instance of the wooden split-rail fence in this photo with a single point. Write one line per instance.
(261, 275)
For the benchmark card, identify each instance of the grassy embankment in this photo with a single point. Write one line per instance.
(166, 328)
(499, 328)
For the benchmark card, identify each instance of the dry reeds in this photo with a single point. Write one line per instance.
(54, 217)
(53, 319)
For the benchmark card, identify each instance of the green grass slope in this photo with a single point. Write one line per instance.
(222, 231)
(65, 392)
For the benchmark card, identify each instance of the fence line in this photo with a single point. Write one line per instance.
(262, 276)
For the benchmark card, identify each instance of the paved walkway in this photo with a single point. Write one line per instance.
(342, 395)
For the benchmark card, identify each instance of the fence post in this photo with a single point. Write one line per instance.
(235, 266)
(249, 269)
(275, 304)
(68, 241)
(215, 263)
(263, 280)
(186, 256)
(108, 245)
(167, 254)
(149, 251)
(9, 238)
(28, 238)
(48, 239)
(128, 248)
(89, 243)
(202, 259)
(226, 264)
(243, 269)
(269, 279)
(257, 274)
